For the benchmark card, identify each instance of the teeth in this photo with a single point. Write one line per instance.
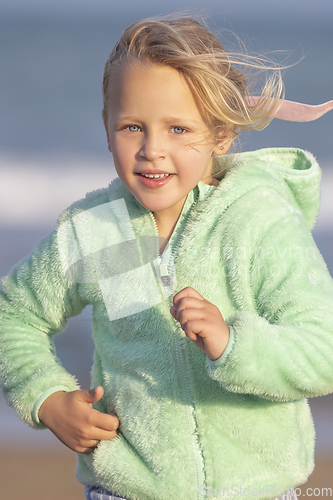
(155, 176)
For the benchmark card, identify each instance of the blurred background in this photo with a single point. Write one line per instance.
(53, 150)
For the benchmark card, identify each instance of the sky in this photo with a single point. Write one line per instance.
(281, 10)
(58, 68)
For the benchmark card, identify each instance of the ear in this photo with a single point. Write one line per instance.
(224, 140)
(222, 146)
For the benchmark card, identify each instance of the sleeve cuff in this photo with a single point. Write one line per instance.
(213, 365)
(43, 397)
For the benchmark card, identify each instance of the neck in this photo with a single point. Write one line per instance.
(165, 225)
(166, 220)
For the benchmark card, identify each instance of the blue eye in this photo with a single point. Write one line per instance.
(133, 128)
(178, 130)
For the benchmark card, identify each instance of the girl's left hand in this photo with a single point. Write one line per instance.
(201, 321)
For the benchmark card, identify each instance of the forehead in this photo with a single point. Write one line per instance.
(138, 86)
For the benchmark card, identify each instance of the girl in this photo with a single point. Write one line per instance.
(212, 307)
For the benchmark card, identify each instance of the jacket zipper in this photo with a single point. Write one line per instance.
(185, 382)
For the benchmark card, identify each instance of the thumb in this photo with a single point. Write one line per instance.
(93, 395)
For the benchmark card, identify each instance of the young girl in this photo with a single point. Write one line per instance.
(212, 307)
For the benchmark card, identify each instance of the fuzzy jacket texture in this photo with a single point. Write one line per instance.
(189, 427)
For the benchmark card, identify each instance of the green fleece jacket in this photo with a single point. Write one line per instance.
(189, 427)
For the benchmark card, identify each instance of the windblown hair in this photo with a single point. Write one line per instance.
(220, 88)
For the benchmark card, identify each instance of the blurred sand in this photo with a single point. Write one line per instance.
(39, 475)
(49, 475)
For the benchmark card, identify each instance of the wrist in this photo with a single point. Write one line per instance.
(38, 413)
(218, 361)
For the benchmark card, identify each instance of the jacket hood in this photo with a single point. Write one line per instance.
(293, 173)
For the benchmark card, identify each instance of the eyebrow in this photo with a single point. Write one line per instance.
(179, 119)
(166, 119)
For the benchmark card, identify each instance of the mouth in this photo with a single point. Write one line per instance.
(154, 180)
(154, 176)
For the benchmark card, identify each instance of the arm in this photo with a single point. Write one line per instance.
(283, 347)
(35, 302)
(279, 344)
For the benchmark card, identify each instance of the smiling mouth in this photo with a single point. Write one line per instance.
(155, 176)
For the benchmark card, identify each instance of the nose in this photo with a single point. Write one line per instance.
(152, 147)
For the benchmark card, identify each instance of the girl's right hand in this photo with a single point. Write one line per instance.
(73, 420)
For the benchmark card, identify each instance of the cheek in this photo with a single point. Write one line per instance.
(127, 149)
(194, 159)
(121, 155)
(198, 148)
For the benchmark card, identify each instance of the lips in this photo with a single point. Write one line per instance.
(154, 180)
(155, 176)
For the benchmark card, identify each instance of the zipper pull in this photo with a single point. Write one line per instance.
(165, 278)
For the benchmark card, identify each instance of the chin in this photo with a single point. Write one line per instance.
(154, 206)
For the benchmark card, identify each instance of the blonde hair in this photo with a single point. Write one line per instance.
(221, 89)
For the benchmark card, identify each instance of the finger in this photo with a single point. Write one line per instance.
(188, 314)
(190, 303)
(187, 292)
(186, 298)
(87, 448)
(187, 303)
(93, 395)
(86, 451)
(97, 434)
(195, 328)
(184, 314)
(104, 421)
(173, 310)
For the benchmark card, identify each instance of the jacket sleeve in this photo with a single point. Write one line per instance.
(281, 345)
(35, 302)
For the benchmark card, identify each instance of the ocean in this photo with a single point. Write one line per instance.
(53, 146)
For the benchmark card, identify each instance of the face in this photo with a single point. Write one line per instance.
(161, 144)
